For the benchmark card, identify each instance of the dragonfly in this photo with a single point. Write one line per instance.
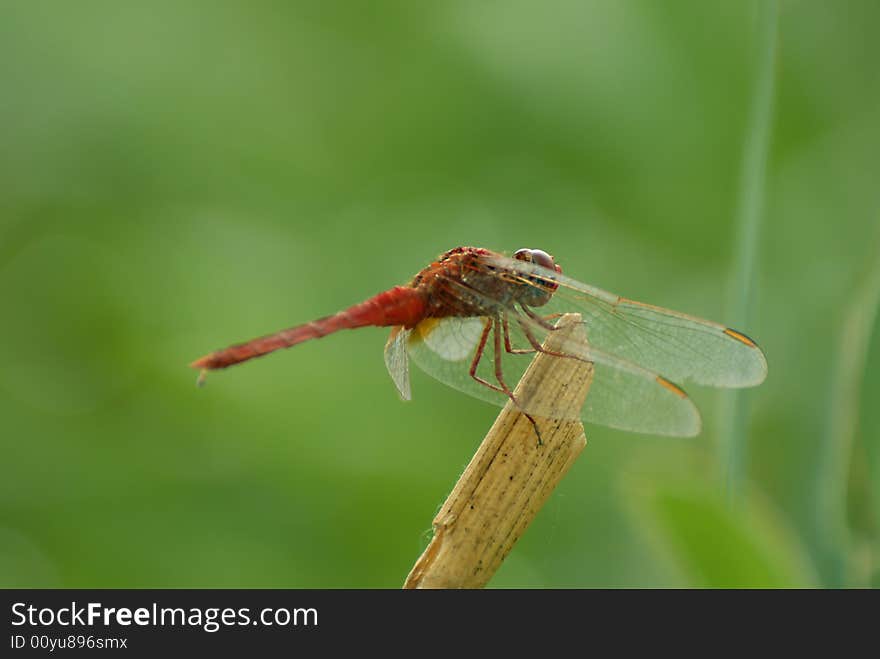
(474, 319)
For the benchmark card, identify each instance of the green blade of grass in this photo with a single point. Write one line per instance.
(714, 546)
(851, 355)
(734, 409)
(866, 561)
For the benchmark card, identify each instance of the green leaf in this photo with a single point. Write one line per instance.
(832, 490)
(715, 545)
(734, 417)
(870, 435)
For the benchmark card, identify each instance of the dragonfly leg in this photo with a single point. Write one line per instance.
(499, 374)
(511, 350)
(478, 355)
(539, 348)
(501, 387)
(543, 321)
(536, 346)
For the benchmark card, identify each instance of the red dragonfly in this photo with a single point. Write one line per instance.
(471, 299)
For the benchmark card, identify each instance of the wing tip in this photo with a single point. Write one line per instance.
(741, 337)
(671, 386)
(695, 423)
(761, 370)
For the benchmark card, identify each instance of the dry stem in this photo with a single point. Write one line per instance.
(510, 477)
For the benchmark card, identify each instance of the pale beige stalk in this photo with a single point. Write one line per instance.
(511, 476)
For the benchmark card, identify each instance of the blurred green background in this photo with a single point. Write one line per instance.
(176, 176)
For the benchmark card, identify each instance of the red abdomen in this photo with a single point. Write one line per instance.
(399, 306)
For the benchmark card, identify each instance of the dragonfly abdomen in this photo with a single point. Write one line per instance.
(398, 306)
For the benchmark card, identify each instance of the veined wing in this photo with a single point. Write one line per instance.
(680, 347)
(622, 394)
(397, 362)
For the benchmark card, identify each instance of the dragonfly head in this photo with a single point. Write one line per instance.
(542, 288)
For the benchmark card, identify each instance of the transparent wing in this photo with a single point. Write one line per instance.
(680, 347)
(622, 395)
(397, 362)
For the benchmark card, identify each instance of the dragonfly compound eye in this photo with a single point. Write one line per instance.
(541, 288)
(538, 257)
